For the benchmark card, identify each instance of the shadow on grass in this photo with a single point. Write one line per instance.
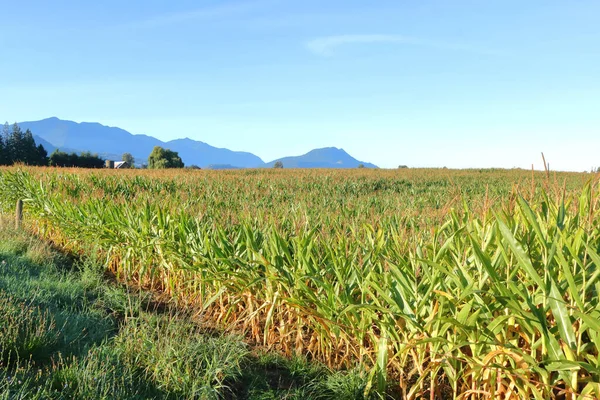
(68, 333)
(37, 297)
(57, 323)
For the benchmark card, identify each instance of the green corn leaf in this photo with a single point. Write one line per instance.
(521, 256)
(561, 315)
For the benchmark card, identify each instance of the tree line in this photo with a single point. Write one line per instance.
(83, 160)
(17, 146)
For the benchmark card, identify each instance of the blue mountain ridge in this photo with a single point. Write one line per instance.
(111, 142)
(328, 157)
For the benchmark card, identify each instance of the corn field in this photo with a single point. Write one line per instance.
(478, 284)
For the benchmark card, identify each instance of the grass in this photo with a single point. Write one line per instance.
(68, 333)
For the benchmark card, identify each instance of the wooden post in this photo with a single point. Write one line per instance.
(19, 214)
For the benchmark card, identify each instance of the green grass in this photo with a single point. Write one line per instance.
(68, 333)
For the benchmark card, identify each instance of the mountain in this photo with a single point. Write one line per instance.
(189, 149)
(91, 136)
(49, 147)
(112, 142)
(328, 157)
(222, 166)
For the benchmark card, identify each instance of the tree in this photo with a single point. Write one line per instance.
(361, 165)
(164, 158)
(17, 146)
(5, 154)
(3, 160)
(85, 160)
(29, 151)
(42, 155)
(278, 164)
(14, 145)
(59, 159)
(128, 158)
(5, 130)
(402, 166)
(88, 160)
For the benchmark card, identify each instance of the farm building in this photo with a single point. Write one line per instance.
(116, 164)
(121, 164)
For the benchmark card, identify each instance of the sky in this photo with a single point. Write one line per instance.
(423, 83)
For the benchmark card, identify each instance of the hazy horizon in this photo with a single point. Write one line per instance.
(461, 85)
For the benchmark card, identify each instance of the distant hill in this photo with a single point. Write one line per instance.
(113, 142)
(328, 157)
(222, 166)
(91, 136)
(206, 155)
(47, 145)
(50, 149)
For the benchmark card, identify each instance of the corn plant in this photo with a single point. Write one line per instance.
(462, 284)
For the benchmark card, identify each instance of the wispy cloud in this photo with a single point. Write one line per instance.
(210, 12)
(326, 46)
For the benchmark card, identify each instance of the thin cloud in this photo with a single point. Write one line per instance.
(223, 10)
(326, 46)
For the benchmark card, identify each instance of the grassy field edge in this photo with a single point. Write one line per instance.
(67, 332)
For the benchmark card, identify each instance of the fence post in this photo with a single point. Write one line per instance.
(19, 214)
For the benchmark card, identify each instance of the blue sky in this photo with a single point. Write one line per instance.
(423, 83)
